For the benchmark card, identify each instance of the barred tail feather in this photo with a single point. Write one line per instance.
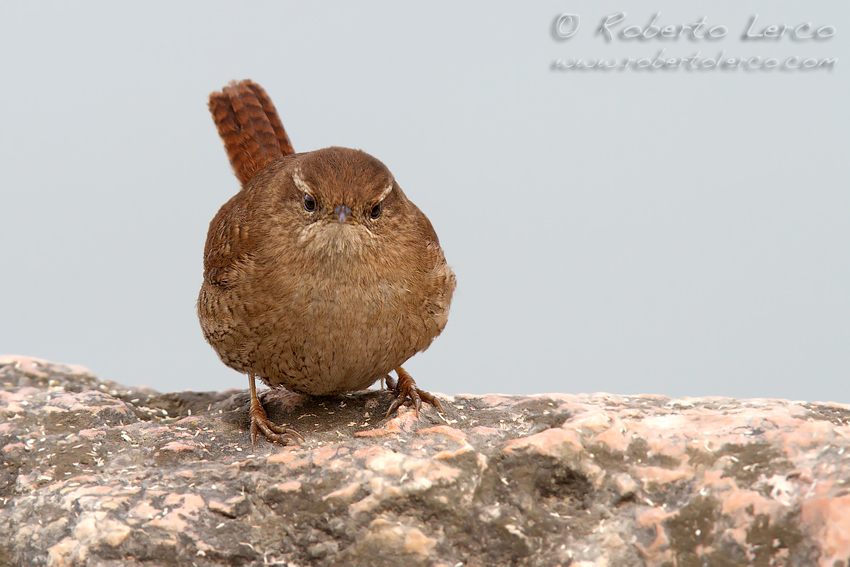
(250, 128)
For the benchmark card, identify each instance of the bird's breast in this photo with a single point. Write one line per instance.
(332, 315)
(332, 335)
(332, 241)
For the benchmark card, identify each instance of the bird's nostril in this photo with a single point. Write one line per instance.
(342, 212)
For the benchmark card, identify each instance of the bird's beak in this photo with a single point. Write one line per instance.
(342, 212)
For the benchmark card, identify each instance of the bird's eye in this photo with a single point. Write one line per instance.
(309, 203)
(376, 210)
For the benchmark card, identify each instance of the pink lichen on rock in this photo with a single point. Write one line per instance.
(93, 471)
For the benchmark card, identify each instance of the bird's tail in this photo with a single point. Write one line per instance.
(250, 128)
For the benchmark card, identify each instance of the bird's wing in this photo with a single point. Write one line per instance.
(228, 240)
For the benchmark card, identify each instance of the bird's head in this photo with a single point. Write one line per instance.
(338, 202)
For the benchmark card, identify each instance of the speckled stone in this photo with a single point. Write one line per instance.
(93, 473)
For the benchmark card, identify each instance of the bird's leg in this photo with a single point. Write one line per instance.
(406, 389)
(260, 422)
(389, 380)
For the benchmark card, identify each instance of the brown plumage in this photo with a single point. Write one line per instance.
(250, 127)
(320, 275)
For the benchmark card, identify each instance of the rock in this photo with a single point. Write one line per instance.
(98, 474)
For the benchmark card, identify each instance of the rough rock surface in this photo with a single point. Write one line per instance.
(94, 473)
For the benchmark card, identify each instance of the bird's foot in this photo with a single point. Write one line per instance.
(405, 389)
(260, 422)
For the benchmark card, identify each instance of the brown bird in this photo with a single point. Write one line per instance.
(320, 275)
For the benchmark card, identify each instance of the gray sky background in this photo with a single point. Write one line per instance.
(675, 232)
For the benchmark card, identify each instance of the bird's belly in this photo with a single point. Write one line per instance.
(342, 343)
(320, 339)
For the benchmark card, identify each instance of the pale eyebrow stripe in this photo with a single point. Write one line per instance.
(299, 181)
(386, 192)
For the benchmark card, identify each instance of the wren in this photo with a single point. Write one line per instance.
(320, 275)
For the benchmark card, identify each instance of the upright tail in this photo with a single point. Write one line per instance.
(248, 124)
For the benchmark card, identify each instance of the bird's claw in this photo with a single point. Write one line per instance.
(405, 389)
(260, 422)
